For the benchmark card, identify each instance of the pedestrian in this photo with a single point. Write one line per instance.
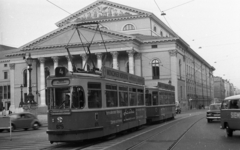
(4, 112)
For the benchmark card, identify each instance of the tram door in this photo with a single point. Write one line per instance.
(155, 102)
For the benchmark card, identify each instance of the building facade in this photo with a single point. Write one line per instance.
(5, 88)
(130, 40)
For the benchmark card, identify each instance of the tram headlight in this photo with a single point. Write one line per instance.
(59, 119)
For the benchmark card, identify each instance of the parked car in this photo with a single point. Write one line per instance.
(178, 110)
(24, 120)
(213, 112)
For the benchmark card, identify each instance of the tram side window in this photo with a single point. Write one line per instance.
(234, 104)
(111, 96)
(172, 100)
(161, 98)
(140, 97)
(225, 104)
(167, 98)
(155, 98)
(123, 96)
(78, 98)
(60, 98)
(148, 98)
(133, 96)
(94, 95)
(50, 98)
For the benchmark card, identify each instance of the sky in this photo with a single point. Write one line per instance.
(210, 27)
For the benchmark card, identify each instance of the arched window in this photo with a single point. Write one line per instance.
(128, 27)
(155, 69)
(25, 78)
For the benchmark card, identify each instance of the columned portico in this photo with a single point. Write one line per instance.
(42, 81)
(99, 60)
(55, 61)
(131, 61)
(69, 64)
(12, 85)
(84, 61)
(115, 60)
(174, 66)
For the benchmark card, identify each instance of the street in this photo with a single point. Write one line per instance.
(187, 131)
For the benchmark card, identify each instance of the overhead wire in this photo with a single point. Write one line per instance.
(108, 35)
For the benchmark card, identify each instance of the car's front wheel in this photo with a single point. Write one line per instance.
(35, 126)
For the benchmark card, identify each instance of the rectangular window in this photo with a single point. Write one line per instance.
(155, 98)
(5, 75)
(154, 46)
(111, 96)
(1, 93)
(94, 95)
(5, 65)
(5, 92)
(123, 96)
(132, 96)
(140, 97)
(155, 72)
(9, 95)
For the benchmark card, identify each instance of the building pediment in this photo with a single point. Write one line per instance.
(102, 9)
(68, 36)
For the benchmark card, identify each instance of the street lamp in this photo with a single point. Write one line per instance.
(30, 97)
(21, 102)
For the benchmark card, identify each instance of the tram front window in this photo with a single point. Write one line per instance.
(61, 98)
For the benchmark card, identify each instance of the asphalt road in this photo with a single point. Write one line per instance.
(189, 131)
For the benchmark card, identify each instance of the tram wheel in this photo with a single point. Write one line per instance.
(229, 131)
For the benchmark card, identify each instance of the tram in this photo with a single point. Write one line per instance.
(99, 104)
(160, 102)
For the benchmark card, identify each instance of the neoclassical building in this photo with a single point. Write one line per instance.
(131, 40)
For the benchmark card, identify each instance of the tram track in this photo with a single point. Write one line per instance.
(137, 145)
(174, 143)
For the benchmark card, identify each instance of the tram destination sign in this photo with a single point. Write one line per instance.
(121, 76)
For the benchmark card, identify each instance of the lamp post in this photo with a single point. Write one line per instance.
(21, 102)
(30, 97)
(30, 105)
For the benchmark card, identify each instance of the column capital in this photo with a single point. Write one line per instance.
(173, 52)
(114, 54)
(55, 58)
(67, 57)
(131, 52)
(12, 66)
(99, 55)
(84, 56)
(41, 59)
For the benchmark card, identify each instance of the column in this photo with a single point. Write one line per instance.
(99, 60)
(55, 62)
(174, 70)
(115, 60)
(138, 64)
(12, 89)
(84, 61)
(69, 64)
(131, 61)
(42, 81)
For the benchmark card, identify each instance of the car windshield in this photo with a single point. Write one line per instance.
(214, 107)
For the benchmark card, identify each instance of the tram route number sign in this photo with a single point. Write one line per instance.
(129, 114)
